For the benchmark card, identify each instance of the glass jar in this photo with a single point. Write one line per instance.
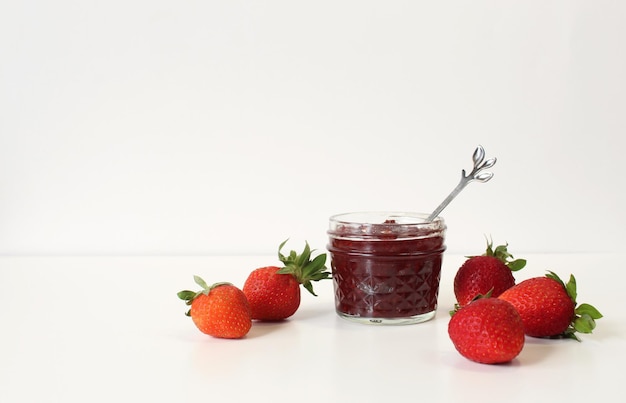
(386, 266)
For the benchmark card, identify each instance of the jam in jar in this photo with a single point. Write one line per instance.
(386, 266)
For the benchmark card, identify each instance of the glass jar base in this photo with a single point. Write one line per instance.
(409, 320)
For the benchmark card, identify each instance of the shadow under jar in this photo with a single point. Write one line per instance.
(386, 266)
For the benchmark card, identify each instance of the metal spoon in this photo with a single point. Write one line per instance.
(475, 175)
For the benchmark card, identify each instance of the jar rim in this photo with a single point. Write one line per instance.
(384, 225)
(385, 218)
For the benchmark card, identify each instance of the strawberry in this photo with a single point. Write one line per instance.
(220, 310)
(548, 307)
(491, 271)
(487, 330)
(274, 292)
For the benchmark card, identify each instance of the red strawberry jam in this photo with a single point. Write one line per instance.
(386, 266)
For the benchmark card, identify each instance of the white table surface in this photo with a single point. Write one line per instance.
(111, 329)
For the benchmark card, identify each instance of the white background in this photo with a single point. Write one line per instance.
(206, 127)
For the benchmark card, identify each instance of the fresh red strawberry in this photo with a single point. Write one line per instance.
(490, 272)
(487, 330)
(274, 292)
(548, 307)
(220, 310)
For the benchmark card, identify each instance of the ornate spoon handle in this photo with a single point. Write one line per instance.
(475, 175)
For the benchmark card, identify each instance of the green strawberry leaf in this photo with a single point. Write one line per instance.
(516, 264)
(198, 280)
(570, 333)
(556, 278)
(502, 253)
(584, 324)
(189, 296)
(288, 269)
(315, 267)
(304, 256)
(489, 251)
(309, 287)
(571, 288)
(455, 310)
(586, 309)
(281, 257)
(186, 295)
(302, 267)
(584, 320)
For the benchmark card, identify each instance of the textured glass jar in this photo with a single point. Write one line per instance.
(386, 266)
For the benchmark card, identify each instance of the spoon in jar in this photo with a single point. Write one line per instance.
(475, 175)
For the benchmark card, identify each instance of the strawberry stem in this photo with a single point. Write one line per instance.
(502, 253)
(585, 315)
(188, 296)
(302, 267)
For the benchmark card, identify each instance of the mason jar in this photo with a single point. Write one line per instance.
(386, 266)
